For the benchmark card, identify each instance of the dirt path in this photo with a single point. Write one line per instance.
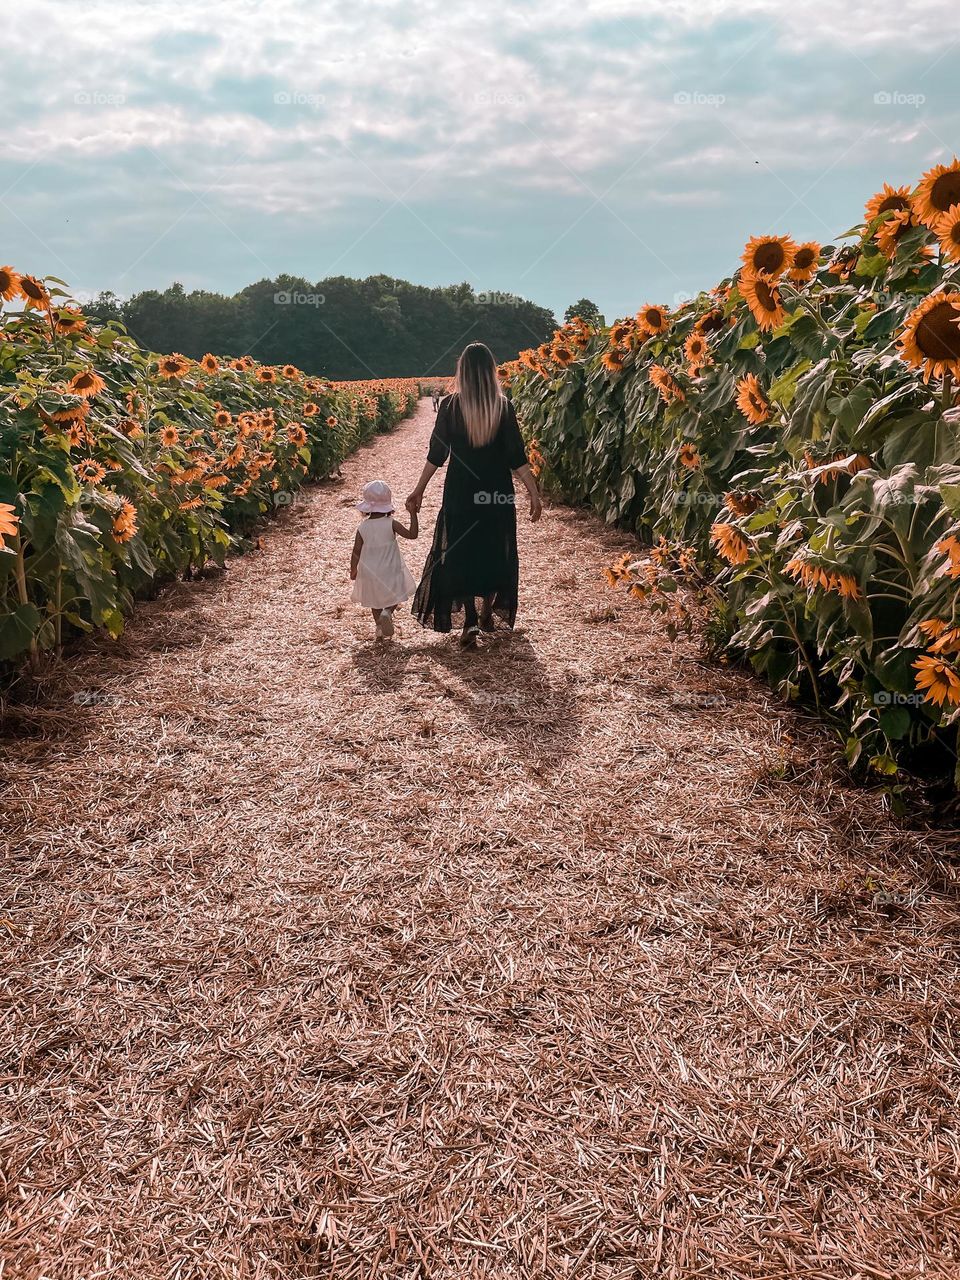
(562, 959)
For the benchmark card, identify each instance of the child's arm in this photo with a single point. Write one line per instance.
(355, 557)
(401, 529)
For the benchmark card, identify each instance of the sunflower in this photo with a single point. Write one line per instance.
(619, 332)
(216, 481)
(805, 262)
(940, 682)
(9, 522)
(67, 320)
(86, 384)
(210, 364)
(814, 575)
(931, 338)
(296, 434)
(688, 456)
(768, 255)
(889, 199)
(312, 385)
(763, 298)
(222, 418)
(169, 436)
(9, 284)
(667, 386)
(238, 365)
(246, 424)
(34, 292)
(751, 401)
(739, 503)
(652, 320)
(710, 321)
(173, 366)
(267, 375)
(612, 360)
(331, 421)
(844, 264)
(563, 356)
(191, 504)
(947, 231)
(950, 547)
(310, 410)
(697, 350)
(131, 428)
(730, 543)
(291, 371)
(79, 409)
(891, 229)
(125, 521)
(89, 470)
(948, 641)
(938, 192)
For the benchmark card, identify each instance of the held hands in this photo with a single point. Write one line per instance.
(414, 502)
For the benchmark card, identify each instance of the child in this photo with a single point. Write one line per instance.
(381, 579)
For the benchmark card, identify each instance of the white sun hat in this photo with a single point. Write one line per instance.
(376, 498)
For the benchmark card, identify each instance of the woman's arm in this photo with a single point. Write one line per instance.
(532, 488)
(415, 499)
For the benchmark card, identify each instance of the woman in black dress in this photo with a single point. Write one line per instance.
(474, 552)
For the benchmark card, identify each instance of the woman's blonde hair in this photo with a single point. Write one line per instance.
(477, 385)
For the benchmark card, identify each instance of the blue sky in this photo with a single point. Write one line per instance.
(562, 149)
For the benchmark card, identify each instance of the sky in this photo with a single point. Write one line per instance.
(597, 148)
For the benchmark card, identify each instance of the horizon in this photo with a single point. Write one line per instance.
(580, 151)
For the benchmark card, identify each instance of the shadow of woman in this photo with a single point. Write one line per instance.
(511, 695)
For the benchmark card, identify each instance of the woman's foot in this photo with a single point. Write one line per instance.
(468, 637)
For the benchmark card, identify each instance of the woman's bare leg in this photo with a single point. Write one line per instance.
(486, 613)
(468, 637)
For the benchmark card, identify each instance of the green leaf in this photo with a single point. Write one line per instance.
(17, 630)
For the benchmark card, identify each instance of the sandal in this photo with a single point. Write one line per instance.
(487, 621)
(468, 638)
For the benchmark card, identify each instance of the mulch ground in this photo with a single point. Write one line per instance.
(576, 956)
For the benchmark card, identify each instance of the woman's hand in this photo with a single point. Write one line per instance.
(414, 502)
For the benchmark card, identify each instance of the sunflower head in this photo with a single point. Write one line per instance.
(763, 298)
(34, 293)
(652, 320)
(68, 320)
(210, 364)
(947, 230)
(267, 375)
(887, 200)
(291, 371)
(768, 255)
(667, 386)
(9, 284)
(697, 350)
(173, 366)
(805, 262)
(751, 401)
(612, 360)
(938, 192)
(931, 337)
(87, 383)
(688, 456)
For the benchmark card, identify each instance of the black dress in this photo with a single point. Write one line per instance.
(474, 550)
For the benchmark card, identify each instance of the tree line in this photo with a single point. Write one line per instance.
(337, 328)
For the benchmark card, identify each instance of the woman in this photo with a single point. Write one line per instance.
(474, 552)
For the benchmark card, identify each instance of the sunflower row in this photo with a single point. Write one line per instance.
(119, 468)
(789, 444)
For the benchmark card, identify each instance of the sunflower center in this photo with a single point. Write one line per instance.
(653, 318)
(954, 233)
(769, 257)
(766, 296)
(757, 403)
(31, 289)
(946, 191)
(83, 381)
(892, 202)
(804, 259)
(938, 333)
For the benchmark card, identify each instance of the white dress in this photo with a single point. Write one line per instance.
(383, 578)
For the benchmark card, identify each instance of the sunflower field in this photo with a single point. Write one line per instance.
(119, 468)
(789, 446)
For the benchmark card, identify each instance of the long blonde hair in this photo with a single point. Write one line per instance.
(477, 386)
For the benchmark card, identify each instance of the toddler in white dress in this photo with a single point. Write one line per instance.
(381, 580)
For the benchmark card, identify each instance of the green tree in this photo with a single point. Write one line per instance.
(586, 310)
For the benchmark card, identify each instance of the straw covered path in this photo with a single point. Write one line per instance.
(573, 957)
